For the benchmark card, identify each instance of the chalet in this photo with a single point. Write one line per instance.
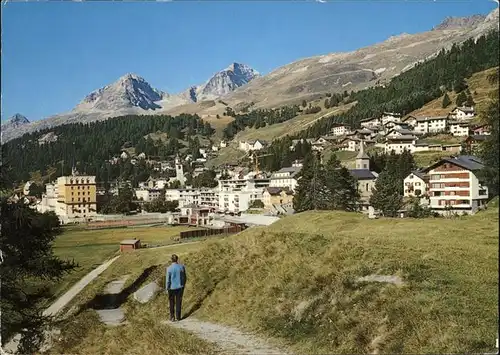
(454, 185)
(481, 130)
(276, 196)
(431, 124)
(415, 184)
(340, 129)
(223, 144)
(142, 156)
(398, 132)
(285, 178)
(399, 144)
(215, 148)
(462, 113)
(395, 125)
(458, 128)
(364, 133)
(365, 178)
(352, 144)
(472, 141)
(124, 155)
(370, 122)
(390, 116)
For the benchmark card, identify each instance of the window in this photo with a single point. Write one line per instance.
(366, 186)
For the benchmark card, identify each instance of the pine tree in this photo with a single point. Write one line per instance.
(490, 151)
(327, 104)
(470, 101)
(461, 99)
(460, 85)
(304, 103)
(27, 267)
(446, 101)
(311, 191)
(386, 196)
(341, 186)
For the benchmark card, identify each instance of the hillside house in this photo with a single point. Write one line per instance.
(340, 129)
(399, 144)
(390, 117)
(365, 178)
(415, 184)
(455, 186)
(285, 178)
(223, 144)
(398, 133)
(142, 156)
(435, 124)
(463, 113)
(395, 125)
(256, 145)
(458, 128)
(276, 196)
(215, 148)
(124, 155)
(364, 133)
(411, 121)
(481, 130)
(352, 144)
(370, 122)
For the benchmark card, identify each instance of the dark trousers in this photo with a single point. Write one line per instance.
(175, 298)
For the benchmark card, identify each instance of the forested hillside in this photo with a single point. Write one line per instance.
(405, 93)
(90, 146)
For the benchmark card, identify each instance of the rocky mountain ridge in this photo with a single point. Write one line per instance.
(240, 85)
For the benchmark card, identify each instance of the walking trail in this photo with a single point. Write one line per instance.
(229, 340)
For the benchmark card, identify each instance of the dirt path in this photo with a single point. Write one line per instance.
(229, 340)
(77, 288)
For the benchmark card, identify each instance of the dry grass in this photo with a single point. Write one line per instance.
(295, 282)
(82, 332)
(296, 279)
(90, 248)
(423, 159)
(442, 139)
(478, 83)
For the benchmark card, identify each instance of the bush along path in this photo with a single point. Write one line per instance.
(229, 340)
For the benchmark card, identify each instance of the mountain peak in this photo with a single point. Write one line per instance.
(129, 91)
(19, 119)
(450, 23)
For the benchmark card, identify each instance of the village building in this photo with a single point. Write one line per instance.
(455, 186)
(276, 196)
(370, 122)
(223, 144)
(481, 130)
(473, 141)
(463, 113)
(191, 196)
(459, 128)
(285, 178)
(76, 198)
(390, 117)
(399, 144)
(236, 195)
(147, 194)
(340, 129)
(130, 245)
(415, 184)
(256, 145)
(435, 124)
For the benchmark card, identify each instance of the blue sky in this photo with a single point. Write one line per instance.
(55, 53)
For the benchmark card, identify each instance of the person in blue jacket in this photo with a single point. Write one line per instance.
(176, 280)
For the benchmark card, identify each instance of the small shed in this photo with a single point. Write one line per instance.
(130, 244)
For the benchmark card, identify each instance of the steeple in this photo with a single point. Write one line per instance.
(362, 159)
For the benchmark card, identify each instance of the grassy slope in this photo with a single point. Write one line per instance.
(295, 281)
(82, 332)
(478, 83)
(91, 248)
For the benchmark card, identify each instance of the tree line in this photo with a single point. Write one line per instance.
(89, 146)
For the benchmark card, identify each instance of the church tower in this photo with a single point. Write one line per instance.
(179, 171)
(362, 159)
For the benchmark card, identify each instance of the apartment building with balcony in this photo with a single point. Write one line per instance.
(236, 195)
(454, 185)
(191, 196)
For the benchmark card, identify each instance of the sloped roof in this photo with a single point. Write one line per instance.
(362, 174)
(468, 162)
